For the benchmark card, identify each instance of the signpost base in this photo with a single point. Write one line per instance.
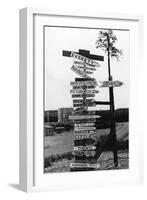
(84, 166)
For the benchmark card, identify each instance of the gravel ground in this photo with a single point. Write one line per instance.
(105, 161)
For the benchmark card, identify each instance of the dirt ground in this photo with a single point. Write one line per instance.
(105, 161)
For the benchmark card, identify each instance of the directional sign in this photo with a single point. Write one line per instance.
(79, 72)
(85, 136)
(77, 117)
(86, 87)
(81, 100)
(81, 91)
(84, 165)
(84, 124)
(83, 63)
(86, 68)
(111, 84)
(84, 59)
(87, 104)
(84, 83)
(84, 153)
(83, 112)
(84, 132)
(88, 72)
(84, 148)
(85, 128)
(86, 120)
(81, 95)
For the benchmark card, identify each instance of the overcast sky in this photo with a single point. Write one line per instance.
(58, 73)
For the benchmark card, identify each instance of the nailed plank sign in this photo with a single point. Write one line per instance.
(84, 148)
(88, 72)
(84, 124)
(85, 136)
(84, 165)
(87, 104)
(79, 72)
(84, 132)
(111, 84)
(81, 91)
(81, 95)
(86, 87)
(81, 101)
(85, 128)
(87, 68)
(77, 117)
(84, 83)
(84, 153)
(84, 59)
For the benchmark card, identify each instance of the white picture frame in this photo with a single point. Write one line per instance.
(31, 93)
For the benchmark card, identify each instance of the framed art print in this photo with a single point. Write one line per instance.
(79, 123)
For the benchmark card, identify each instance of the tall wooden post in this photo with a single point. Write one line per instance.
(112, 110)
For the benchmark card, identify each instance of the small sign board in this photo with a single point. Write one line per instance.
(84, 59)
(81, 100)
(87, 104)
(84, 132)
(79, 72)
(85, 128)
(84, 148)
(111, 84)
(84, 153)
(84, 83)
(85, 87)
(85, 165)
(77, 117)
(84, 124)
(85, 136)
(81, 95)
(86, 68)
(81, 91)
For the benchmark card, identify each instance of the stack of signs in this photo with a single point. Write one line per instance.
(83, 92)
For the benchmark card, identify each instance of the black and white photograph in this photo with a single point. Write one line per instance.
(86, 99)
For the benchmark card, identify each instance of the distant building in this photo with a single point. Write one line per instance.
(49, 130)
(51, 116)
(63, 114)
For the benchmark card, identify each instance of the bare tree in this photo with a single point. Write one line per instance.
(106, 41)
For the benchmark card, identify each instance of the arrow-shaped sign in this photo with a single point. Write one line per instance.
(87, 104)
(81, 101)
(84, 59)
(111, 84)
(85, 128)
(84, 83)
(81, 91)
(81, 95)
(86, 68)
(83, 64)
(79, 72)
(77, 117)
(85, 165)
(86, 87)
(85, 136)
(84, 124)
(84, 148)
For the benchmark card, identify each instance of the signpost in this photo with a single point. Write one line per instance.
(86, 61)
(85, 87)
